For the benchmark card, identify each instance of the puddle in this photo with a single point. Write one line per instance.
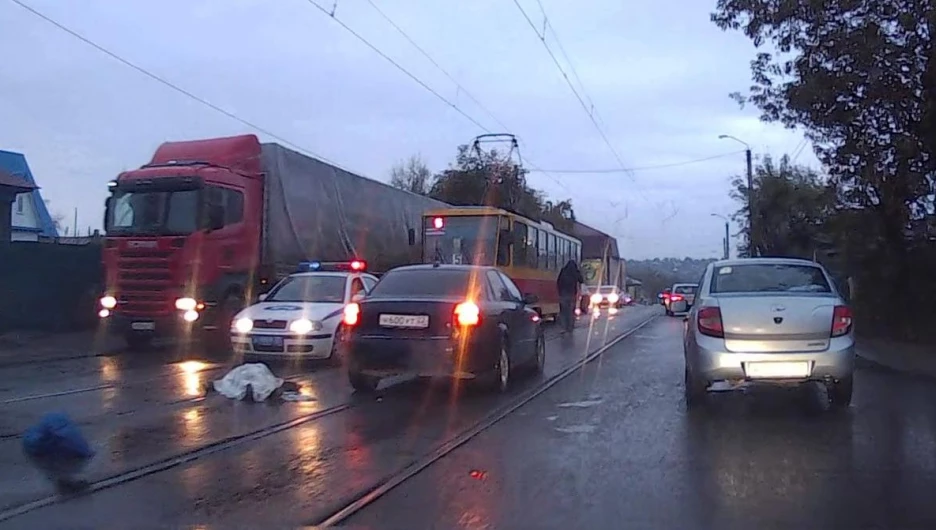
(577, 429)
(580, 404)
(552, 418)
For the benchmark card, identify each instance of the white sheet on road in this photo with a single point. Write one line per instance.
(261, 380)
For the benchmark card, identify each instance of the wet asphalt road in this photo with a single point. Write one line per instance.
(611, 446)
(141, 412)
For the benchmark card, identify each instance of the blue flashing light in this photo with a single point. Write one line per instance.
(314, 266)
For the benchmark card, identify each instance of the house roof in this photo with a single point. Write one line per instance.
(14, 164)
(9, 180)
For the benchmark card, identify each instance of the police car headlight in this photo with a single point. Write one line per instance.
(243, 325)
(596, 298)
(613, 298)
(186, 304)
(303, 326)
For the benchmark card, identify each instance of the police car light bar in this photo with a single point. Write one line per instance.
(333, 266)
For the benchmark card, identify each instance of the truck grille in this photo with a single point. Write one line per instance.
(144, 281)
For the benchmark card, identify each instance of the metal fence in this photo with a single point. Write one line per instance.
(50, 286)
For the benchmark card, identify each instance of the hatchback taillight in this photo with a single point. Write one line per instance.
(352, 314)
(710, 322)
(841, 321)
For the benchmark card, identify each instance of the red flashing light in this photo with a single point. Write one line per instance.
(438, 223)
(352, 314)
(358, 265)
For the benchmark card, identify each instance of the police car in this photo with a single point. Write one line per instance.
(300, 315)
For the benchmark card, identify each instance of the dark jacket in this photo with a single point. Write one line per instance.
(570, 277)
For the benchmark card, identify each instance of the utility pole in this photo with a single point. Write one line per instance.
(727, 245)
(752, 237)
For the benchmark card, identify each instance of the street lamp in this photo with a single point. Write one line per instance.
(727, 244)
(750, 186)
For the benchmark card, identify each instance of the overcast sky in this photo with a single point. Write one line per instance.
(658, 75)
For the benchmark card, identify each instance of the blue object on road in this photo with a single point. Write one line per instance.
(56, 435)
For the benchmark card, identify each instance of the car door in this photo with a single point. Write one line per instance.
(369, 282)
(521, 323)
(356, 286)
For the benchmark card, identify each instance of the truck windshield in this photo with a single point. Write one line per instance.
(467, 240)
(153, 212)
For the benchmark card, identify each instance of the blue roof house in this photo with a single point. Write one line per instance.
(29, 217)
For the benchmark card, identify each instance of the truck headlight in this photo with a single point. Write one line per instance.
(108, 302)
(303, 326)
(613, 298)
(186, 304)
(596, 298)
(243, 325)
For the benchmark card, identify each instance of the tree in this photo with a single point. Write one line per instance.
(489, 178)
(412, 175)
(792, 204)
(58, 219)
(560, 214)
(859, 77)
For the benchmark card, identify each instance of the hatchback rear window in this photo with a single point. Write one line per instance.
(769, 278)
(686, 289)
(422, 282)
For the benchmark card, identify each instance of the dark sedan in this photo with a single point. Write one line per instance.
(455, 321)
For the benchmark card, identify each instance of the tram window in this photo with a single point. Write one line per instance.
(532, 238)
(519, 244)
(553, 250)
(541, 261)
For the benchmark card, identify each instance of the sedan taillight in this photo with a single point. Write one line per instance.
(841, 321)
(352, 314)
(710, 322)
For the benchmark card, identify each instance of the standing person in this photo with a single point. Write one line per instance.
(568, 282)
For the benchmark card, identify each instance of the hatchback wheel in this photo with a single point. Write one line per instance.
(694, 390)
(501, 379)
(540, 360)
(840, 393)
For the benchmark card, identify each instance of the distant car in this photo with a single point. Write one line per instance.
(680, 298)
(664, 295)
(606, 296)
(454, 321)
(769, 321)
(300, 315)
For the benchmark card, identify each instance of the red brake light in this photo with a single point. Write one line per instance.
(710, 322)
(467, 314)
(841, 321)
(676, 298)
(358, 265)
(352, 314)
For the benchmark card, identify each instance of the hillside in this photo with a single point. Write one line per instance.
(657, 274)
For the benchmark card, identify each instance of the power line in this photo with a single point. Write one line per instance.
(647, 168)
(578, 97)
(425, 85)
(378, 51)
(167, 83)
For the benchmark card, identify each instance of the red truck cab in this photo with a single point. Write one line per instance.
(182, 245)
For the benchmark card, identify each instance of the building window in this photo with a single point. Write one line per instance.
(19, 203)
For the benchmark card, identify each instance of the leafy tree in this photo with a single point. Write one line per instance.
(412, 175)
(491, 178)
(792, 204)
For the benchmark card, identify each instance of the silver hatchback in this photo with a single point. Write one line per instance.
(777, 321)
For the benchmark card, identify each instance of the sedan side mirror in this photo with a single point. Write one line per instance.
(530, 298)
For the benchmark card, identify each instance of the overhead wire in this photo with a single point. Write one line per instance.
(648, 168)
(171, 85)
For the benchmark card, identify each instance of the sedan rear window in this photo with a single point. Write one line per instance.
(422, 282)
(686, 289)
(769, 278)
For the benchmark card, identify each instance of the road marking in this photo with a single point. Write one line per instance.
(489, 421)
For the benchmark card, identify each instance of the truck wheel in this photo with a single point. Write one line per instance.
(138, 341)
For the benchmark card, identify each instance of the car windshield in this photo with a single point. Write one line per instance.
(460, 240)
(769, 278)
(153, 212)
(310, 289)
(607, 289)
(414, 283)
(685, 289)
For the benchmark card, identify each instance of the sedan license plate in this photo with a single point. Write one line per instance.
(143, 326)
(268, 341)
(777, 370)
(404, 321)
